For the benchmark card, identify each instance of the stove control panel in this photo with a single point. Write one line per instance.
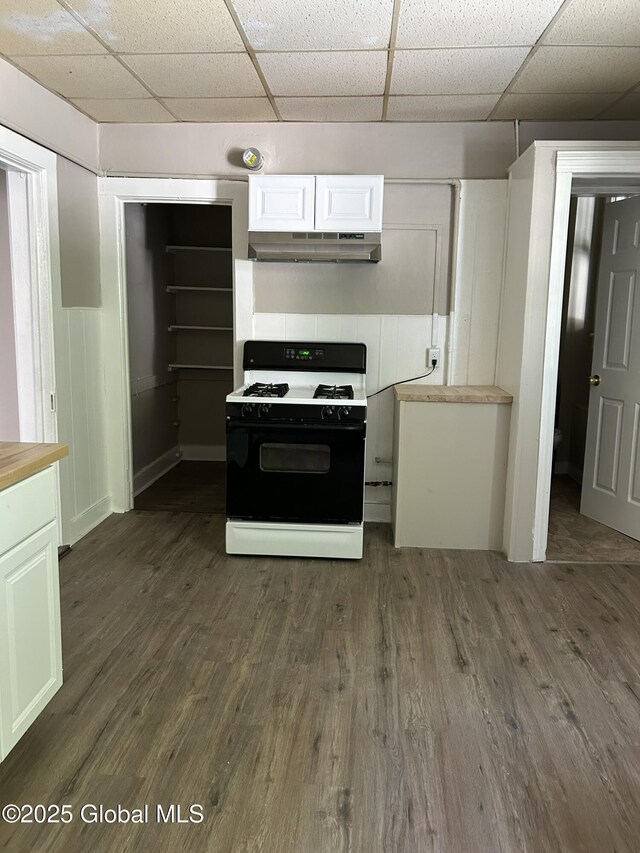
(303, 354)
(298, 413)
(255, 410)
(335, 413)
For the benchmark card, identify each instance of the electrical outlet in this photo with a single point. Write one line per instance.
(433, 354)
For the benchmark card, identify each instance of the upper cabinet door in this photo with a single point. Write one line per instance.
(349, 202)
(281, 202)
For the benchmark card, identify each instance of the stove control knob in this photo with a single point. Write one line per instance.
(327, 412)
(264, 409)
(343, 411)
(248, 409)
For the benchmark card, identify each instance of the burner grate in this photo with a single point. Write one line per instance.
(333, 392)
(262, 389)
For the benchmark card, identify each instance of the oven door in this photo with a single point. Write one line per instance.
(295, 472)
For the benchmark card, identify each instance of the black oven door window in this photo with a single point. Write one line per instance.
(295, 458)
(296, 473)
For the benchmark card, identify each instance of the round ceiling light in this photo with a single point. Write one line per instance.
(252, 159)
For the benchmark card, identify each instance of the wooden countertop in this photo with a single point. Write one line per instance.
(452, 394)
(21, 459)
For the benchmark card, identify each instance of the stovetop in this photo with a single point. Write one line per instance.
(333, 392)
(299, 393)
(266, 389)
(320, 374)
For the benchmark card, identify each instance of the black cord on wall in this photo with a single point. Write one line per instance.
(434, 364)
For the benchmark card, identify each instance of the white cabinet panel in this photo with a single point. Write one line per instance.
(349, 202)
(281, 202)
(30, 644)
(26, 507)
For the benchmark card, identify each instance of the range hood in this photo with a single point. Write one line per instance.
(315, 247)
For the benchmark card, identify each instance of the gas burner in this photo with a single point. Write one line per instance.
(261, 389)
(333, 392)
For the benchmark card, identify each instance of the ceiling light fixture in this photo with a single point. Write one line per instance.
(252, 159)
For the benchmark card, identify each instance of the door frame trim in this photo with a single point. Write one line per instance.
(557, 164)
(113, 194)
(38, 207)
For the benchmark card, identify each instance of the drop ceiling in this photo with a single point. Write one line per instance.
(331, 60)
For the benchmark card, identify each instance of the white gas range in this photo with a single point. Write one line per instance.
(296, 451)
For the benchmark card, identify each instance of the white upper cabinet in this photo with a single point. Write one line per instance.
(281, 202)
(349, 203)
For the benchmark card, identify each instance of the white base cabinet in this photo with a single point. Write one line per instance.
(30, 637)
(450, 468)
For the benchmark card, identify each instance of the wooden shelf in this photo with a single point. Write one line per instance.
(174, 288)
(199, 367)
(198, 249)
(176, 328)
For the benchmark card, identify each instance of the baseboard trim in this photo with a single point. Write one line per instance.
(377, 512)
(84, 523)
(154, 470)
(204, 452)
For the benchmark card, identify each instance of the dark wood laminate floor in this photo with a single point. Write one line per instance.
(188, 487)
(574, 537)
(414, 701)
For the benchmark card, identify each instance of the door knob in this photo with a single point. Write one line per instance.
(594, 380)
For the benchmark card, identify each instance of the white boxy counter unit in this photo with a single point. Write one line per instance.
(449, 466)
(30, 644)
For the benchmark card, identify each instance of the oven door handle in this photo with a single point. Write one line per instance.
(288, 427)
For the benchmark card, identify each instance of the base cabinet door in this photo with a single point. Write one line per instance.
(30, 642)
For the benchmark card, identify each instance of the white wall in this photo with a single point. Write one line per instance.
(81, 420)
(79, 354)
(480, 256)
(396, 150)
(512, 344)
(30, 109)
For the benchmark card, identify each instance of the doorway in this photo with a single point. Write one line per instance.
(572, 535)
(179, 270)
(27, 387)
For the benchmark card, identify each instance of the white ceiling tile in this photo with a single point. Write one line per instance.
(330, 109)
(628, 108)
(552, 106)
(222, 109)
(198, 75)
(40, 27)
(597, 22)
(161, 26)
(135, 110)
(451, 23)
(580, 69)
(83, 76)
(316, 24)
(337, 73)
(440, 107)
(473, 71)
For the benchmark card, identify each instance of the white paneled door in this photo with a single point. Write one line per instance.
(611, 485)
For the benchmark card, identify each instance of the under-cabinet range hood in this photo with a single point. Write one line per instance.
(315, 247)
